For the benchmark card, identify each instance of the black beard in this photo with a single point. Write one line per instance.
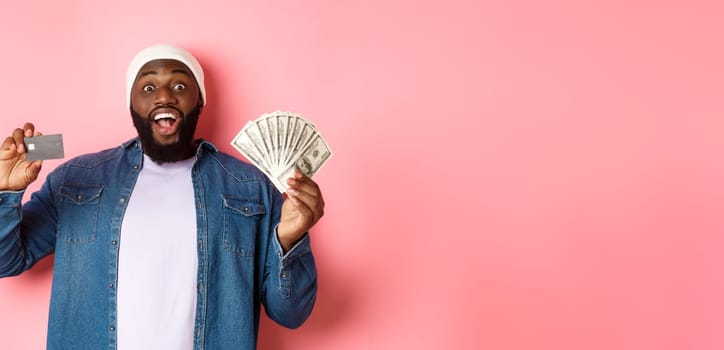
(182, 149)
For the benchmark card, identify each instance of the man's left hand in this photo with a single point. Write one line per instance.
(302, 208)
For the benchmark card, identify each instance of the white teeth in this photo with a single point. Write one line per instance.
(164, 116)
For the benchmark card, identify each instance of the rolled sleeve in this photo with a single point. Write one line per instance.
(291, 284)
(12, 256)
(11, 199)
(299, 249)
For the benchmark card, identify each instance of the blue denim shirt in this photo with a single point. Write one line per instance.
(77, 215)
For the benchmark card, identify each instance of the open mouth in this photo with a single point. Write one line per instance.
(165, 120)
(166, 123)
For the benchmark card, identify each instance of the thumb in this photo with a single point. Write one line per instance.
(31, 173)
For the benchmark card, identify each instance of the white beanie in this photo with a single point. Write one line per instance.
(159, 52)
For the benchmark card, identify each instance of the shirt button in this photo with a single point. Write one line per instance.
(114, 242)
(284, 275)
(135, 167)
(122, 199)
(79, 197)
(112, 328)
(110, 285)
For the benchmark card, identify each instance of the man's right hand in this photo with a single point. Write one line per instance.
(16, 173)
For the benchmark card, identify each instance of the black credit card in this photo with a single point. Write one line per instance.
(44, 147)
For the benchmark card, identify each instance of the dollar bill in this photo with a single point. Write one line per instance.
(244, 144)
(280, 143)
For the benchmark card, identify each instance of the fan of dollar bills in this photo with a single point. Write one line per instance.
(279, 143)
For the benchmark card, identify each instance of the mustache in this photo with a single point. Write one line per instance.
(180, 113)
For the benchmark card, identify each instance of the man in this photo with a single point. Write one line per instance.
(163, 242)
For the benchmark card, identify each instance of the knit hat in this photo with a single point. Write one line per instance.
(159, 52)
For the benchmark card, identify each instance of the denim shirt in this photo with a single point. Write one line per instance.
(77, 215)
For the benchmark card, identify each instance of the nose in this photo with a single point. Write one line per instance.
(164, 96)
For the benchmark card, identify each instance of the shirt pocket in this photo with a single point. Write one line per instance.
(242, 219)
(78, 213)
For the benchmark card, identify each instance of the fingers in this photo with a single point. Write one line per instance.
(29, 129)
(305, 192)
(19, 135)
(304, 183)
(8, 149)
(8, 143)
(33, 170)
(18, 139)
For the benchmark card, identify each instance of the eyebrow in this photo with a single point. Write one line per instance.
(174, 71)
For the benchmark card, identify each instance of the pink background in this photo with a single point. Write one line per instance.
(507, 174)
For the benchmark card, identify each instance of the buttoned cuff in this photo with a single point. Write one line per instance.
(300, 248)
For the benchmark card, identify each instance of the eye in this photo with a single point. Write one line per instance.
(148, 88)
(179, 87)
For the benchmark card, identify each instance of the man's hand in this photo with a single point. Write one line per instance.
(302, 208)
(16, 173)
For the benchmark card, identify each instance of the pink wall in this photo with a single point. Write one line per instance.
(508, 174)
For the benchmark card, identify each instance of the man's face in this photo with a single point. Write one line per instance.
(165, 104)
